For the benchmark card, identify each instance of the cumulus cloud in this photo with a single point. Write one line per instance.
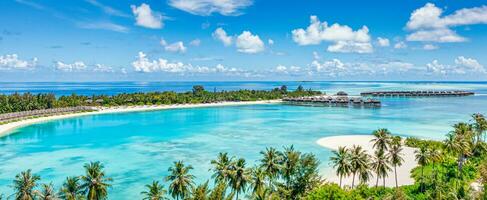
(207, 7)
(12, 61)
(145, 17)
(344, 37)
(222, 36)
(462, 66)
(430, 47)
(176, 47)
(103, 68)
(70, 67)
(383, 42)
(195, 42)
(400, 45)
(428, 24)
(145, 65)
(248, 43)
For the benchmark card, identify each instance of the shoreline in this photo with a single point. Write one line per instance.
(5, 129)
(403, 172)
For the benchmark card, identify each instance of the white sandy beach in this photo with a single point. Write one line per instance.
(5, 128)
(403, 172)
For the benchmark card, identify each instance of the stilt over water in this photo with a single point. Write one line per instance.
(340, 101)
(417, 93)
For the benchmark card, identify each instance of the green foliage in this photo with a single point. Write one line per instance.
(27, 101)
(417, 143)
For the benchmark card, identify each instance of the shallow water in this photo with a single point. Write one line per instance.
(138, 147)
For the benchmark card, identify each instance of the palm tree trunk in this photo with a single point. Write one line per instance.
(353, 179)
(384, 181)
(377, 181)
(236, 198)
(395, 174)
(341, 176)
(422, 178)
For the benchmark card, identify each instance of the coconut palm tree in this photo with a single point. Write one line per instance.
(480, 126)
(381, 166)
(423, 158)
(24, 185)
(341, 162)
(382, 139)
(95, 183)
(71, 189)
(200, 192)
(221, 167)
(46, 193)
(358, 160)
(459, 141)
(155, 191)
(395, 156)
(270, 164)
(257, 180)
(289, 163)
(181, 180)
(239, 177)
(364, 173)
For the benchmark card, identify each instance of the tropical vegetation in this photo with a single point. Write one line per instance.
(25, 102)
(455, 168)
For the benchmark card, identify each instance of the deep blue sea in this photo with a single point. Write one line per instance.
(138, 147)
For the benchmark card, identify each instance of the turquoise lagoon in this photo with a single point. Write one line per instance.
(138, 147)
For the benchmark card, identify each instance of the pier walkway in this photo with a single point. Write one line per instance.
(416, 93)
(341, 101)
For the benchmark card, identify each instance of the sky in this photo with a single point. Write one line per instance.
(237, 40)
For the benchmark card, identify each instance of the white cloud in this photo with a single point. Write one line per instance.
(143, 64)
(430, 47)
(270, 42)
(195, 42)
(292, 70)
(222, 36)
(107, 9)
(13, 62)
(145, 17)
(435, 35)
(344, 37)
(400, 45)
(103, 69)
(428, 23)
(207, 7)
(351, 47)
(103, 26)
(248, 43)
(469, 64)
(383, 42)
(462, 66)
(177, 47)
(70, 67)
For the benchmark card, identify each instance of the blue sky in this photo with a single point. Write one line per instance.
(215, 40)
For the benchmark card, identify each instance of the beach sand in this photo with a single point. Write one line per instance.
(403, 172)
(6, 128)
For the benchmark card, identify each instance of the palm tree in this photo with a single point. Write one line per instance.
(24, 185)
(47, 192)
(381, 166)
(358, 160)
(480, 126)
(289, 164)
(257, 180)
(382, 139)
(201, 192)
(71, 189)
(395, 154)
(422, 157)
(239, 177)
(459, 141)
(181, 180)
(341, 162)
(155, 191)
(221, 167)
(95, 183)
(270, 164)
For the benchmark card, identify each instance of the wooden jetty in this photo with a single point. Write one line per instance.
(417, 93)
(340, 101)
